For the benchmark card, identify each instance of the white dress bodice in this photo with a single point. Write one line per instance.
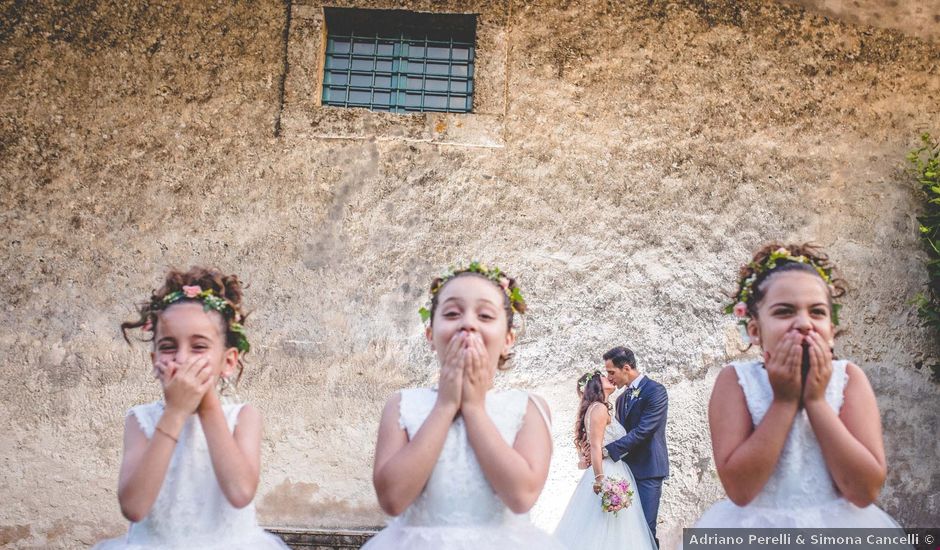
(458, 508)
(800, 492)
(612, 432)
(801, 474)
(457, 493)
(191, 511)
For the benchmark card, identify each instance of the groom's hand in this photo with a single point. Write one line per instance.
(584, 459)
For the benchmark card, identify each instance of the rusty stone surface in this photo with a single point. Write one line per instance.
(920, 19)
(640, 151)
(323, 539)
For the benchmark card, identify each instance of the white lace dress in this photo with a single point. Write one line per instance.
(458, 509)
(191, 511)
(585, 525)
(800, 492)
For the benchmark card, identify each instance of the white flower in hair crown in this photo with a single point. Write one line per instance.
(494, 274)
(779, 256)
(209, 301)
(587, 377)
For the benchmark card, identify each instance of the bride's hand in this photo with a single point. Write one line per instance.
(597, 483)
(450, 385)
(477, 375)
(783, 367)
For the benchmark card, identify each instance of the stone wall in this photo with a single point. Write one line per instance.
(323, 539)
(921, 19)
(625, 158)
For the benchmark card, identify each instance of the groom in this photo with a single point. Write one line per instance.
(642, 411)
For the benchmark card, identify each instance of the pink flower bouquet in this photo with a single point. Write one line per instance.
(615, 495)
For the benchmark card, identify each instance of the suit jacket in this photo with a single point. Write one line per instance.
(644, 418)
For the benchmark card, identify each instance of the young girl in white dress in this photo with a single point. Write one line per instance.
(585, 525)
(461, 464)
(796, 434)
(191, 463)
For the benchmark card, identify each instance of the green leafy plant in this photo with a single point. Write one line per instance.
(926, 164)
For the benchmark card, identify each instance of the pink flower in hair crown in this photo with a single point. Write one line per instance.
(740, 309)
(495, 274)
(191, 291)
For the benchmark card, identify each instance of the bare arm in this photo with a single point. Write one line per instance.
(852, 442)
(745, 456)
(402, 467)
(600, 418)
(145, 462)
(236, 457)
(517, 473)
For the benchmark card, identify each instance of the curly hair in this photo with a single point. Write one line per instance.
(593, 393)
(438, 284)
(227, 287)
(818, 260)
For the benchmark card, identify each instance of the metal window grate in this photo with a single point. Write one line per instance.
(391, 60)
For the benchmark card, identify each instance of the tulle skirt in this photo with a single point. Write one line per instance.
(514, 533)
(255, 540)
(586, 526)
(835, 513)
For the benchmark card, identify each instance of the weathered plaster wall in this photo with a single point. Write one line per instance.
(638, 152)
(920, 18)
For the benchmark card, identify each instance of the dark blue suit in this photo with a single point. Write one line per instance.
(644, 446)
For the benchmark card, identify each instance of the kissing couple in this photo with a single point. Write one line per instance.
(623, 451)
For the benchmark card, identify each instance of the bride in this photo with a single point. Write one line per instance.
(585, 524)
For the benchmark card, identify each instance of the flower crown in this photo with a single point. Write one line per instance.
(777, 257)
(209, 301)
(587, 377)
(495, 274)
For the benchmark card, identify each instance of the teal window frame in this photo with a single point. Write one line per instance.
(399, 61)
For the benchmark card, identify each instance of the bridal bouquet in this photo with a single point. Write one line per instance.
(615, 495)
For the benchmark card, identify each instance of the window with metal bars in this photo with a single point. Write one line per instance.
(400, 61)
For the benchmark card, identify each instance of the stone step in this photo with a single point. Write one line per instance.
(322, 539)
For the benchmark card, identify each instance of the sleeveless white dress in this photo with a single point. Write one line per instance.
(191, 511)
(458, 509)
(585, 525)
(800, 492)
